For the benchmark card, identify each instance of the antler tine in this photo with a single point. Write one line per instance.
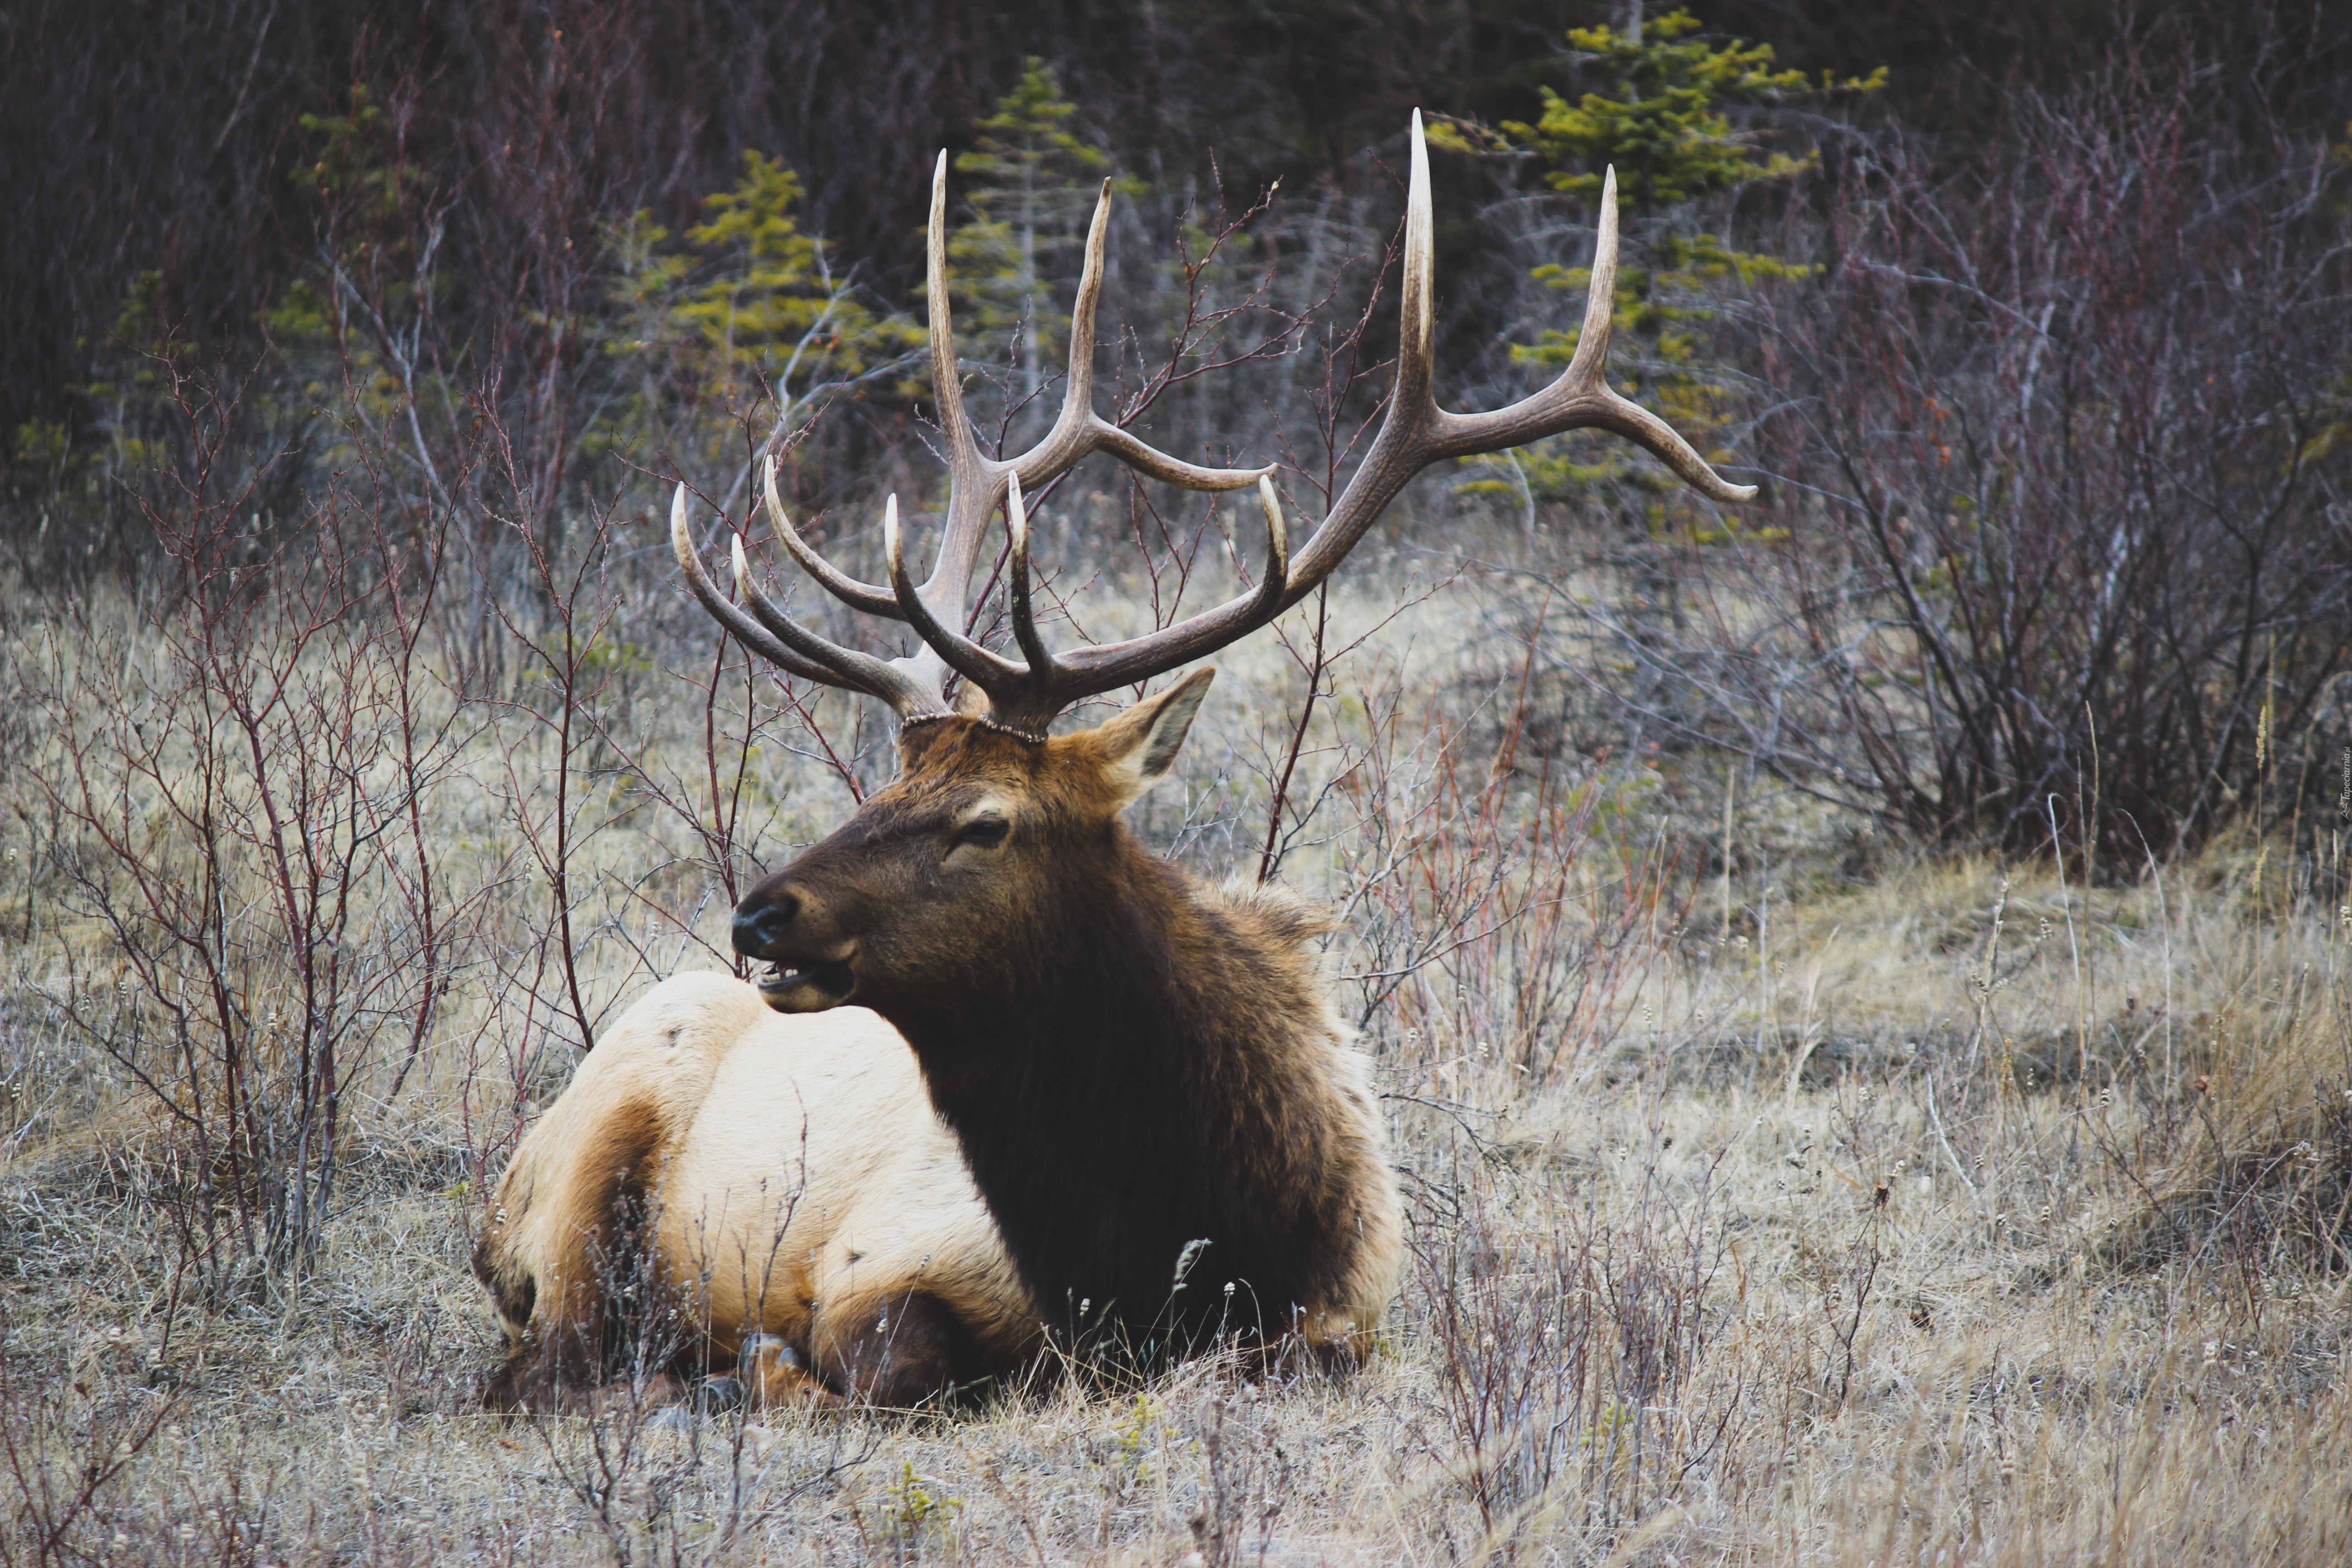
(1274, 582)
(1416, 307)
(784, 642)
(1589, 365)
(1581, 398)
(965, 657)
(1016, 584)
(970, 493)
(857, 595)
(747, 632)
(946, 383)
(1078, 386)
(1152, 463)
(1078, 431)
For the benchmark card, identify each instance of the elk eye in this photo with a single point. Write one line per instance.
(982, 831)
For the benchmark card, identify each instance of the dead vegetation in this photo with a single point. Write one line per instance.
(1965, 1215)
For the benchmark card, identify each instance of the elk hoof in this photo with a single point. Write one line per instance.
(774, 1375)
(716, 1393)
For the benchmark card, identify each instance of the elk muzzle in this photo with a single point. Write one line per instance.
(809, 964)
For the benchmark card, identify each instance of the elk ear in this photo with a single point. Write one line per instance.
(1138, 745)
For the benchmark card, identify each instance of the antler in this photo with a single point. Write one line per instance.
(1414, 432)
(977, 486)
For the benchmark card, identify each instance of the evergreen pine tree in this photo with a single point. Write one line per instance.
(751, 304)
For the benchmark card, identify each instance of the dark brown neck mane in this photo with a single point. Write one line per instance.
(1159, 1073)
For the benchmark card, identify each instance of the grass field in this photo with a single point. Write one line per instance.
(1777, 1195)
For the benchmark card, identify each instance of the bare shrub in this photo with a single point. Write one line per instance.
(1245, 1487)
(237, 777)
(2047, 485)
(66, 1453)
(1479, 928)
(1563, 1342)
(671, 1484)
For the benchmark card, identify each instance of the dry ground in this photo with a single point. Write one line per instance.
(1958, 1215)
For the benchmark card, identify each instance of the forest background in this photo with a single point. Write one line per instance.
(1858, 980)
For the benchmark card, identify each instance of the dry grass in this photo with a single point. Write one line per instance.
(1958, 1217)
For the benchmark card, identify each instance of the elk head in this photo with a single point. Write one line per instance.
(985, 830)
(992, 821)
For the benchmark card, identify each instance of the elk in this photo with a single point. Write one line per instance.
(1146, 1075)
(726, 1188)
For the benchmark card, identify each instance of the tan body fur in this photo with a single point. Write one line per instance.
(792, 1180)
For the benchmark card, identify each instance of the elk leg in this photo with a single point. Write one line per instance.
(896, 1351)
(538, 1377)
(774, 1375)
(621, 1397)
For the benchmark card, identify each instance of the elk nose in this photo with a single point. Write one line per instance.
(758, 927)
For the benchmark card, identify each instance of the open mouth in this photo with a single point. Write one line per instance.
(810, 988)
